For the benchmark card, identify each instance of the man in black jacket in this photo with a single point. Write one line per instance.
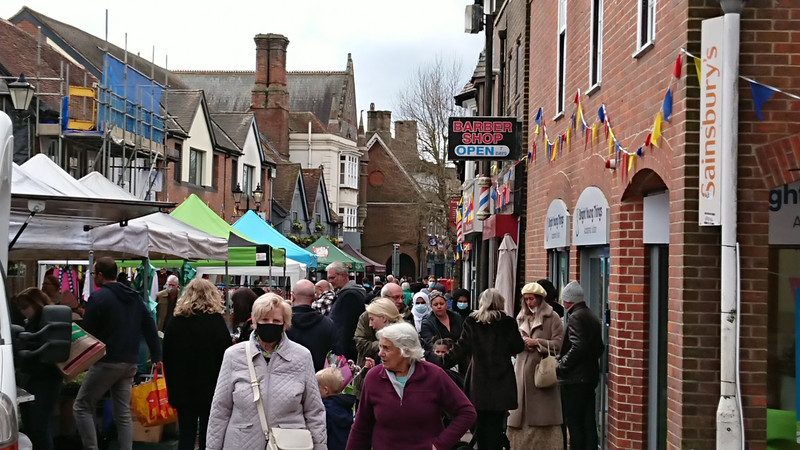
(347, 307)
(118, 317)
(578, 368)
(310, 328)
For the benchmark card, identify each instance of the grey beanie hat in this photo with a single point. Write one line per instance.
(572, 293)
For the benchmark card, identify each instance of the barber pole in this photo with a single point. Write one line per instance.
(460, 221)
(485, 183)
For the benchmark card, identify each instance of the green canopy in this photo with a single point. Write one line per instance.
(241, 250)
(328, 253)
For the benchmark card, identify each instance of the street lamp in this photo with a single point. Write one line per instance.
(258, 196)
(21, 93)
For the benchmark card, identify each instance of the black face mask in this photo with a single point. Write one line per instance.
(269, 332)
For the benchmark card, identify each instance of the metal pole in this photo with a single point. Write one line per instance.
(730, 429)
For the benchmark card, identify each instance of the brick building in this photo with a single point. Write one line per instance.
(632, 237)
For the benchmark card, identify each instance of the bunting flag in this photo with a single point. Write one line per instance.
(569, 139)
(594, 132)
(580, 118)
(698, 65)
(678, 65)
(610, 145)
(555, 147)
(602, 114)
(578, 97)
(648, 140)
(537, 129)
(668, 105)
(761, 94)
(657, 129)
(550, 151)
(538, 119)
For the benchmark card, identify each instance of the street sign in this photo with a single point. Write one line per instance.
(483, 138)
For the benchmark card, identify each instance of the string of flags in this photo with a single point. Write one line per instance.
(761, 92)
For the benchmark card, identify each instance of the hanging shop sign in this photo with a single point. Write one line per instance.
(556, 225)
(483, 138)
(590, 222)
(784, 215)
(470, 206)
(711, 47)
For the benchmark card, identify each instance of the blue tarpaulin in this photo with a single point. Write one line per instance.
(252, 226)
(143, 101)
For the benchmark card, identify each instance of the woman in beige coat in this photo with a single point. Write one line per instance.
(536, 423)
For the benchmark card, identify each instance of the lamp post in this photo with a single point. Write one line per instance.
(21, 95)
(258, 197)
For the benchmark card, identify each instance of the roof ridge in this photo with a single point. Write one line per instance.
(212, 72)
(317, 72)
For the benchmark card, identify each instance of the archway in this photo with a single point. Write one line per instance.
(408, 268)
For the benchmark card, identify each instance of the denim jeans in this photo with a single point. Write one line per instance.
(104, 377)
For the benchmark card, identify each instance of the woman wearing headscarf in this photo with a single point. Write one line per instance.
(420, 307)
(194, 342)
(536, 423)
(286, 378)
(405, 397)
(461, 303)
(491, 338)
(440, 324)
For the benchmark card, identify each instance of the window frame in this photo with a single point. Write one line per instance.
(596, 46)
(196, 169)
(645, 26)
(348, 171)
(561, 62)
(248, 175)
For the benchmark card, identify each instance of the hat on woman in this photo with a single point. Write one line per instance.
(535, 289)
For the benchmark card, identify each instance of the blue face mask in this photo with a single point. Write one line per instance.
(431, 285)
(421, 308)
(462, 305)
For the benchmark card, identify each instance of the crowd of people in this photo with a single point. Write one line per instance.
(422, 368)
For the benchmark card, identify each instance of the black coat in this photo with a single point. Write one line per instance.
(433, 329)
(193, 350)
(490, 382)
(313, 331)
(347, 308)
(583, 345)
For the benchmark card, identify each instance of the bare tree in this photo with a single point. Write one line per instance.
(428, 99)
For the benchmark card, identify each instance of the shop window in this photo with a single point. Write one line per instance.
(783, 298)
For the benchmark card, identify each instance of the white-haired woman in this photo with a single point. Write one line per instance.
(194, 343)
(404, 397)
(286, 377)
(491, 338)
(537, 421)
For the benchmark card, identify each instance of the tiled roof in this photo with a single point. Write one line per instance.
(311, 181)
(181, 106)
(298, 123)
(480, 69)
(308, 91)
(91, 47)
(235, 124)
(285, 184)
(224, 140)
(18, 55)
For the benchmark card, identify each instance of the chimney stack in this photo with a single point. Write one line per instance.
(270, 93)
(378, 120)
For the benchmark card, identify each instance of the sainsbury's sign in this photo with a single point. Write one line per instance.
(477, 138)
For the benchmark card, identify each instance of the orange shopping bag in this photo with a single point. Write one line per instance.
(150, 402)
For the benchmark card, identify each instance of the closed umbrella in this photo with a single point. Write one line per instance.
(506, 277)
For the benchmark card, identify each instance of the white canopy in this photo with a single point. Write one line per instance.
(296, 271)
(44, 169)
(96, 182)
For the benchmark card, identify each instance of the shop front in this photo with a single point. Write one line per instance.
(557, 242)
(590, 235)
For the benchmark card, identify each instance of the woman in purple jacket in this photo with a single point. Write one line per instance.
(406, 390)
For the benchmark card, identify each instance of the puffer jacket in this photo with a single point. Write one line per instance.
(290, 395)
(583, 345)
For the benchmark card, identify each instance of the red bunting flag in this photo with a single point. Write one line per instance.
(678, 66)
(647, 141)
(578, 97)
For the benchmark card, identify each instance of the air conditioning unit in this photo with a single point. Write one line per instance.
(473, 19)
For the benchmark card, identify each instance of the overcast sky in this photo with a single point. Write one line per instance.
(389, 40)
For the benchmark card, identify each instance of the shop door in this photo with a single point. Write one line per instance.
(559, 268)
(657, 382)
(595, 271)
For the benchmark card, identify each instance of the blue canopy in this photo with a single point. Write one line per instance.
(254, 227)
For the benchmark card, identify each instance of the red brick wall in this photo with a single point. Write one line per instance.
(632, 91)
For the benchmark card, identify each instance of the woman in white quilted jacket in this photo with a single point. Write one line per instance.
(285, 373)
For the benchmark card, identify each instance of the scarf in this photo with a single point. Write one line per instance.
(418, 316)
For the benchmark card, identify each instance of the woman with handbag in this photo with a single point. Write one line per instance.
(194, 342)
(267, 395)
(536, 423)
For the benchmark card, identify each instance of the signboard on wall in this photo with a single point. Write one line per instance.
(470, 205)
(784, 215)
(711, 43)
(590, 222)
(556, 226)
(483, 138)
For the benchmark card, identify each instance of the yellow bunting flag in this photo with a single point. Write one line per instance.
(569, 139)
(579, 120)
(537, 130)
(698, 64)
(555, 147)
(553, 152)
(594, 133)
(631, 157)
(611, 141)
(657, 128)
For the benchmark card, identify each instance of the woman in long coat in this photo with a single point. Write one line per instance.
(536, 423)
(194, 343)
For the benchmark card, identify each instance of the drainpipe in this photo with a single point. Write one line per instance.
(730, 421)
(309, 144)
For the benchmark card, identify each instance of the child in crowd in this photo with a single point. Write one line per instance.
(338, 407)
(442, 347)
